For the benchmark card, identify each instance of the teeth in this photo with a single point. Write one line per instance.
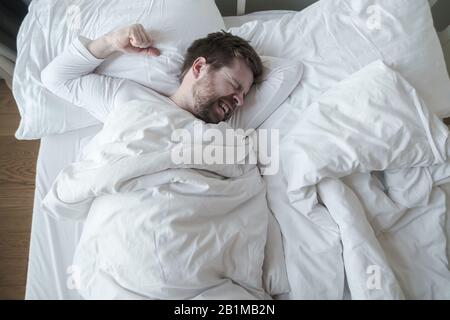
(223, 106)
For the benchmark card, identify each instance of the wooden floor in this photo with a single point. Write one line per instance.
(17, 173)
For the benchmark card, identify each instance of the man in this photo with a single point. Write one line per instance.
(217, 73)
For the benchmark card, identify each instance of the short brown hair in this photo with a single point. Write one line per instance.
(219, 49)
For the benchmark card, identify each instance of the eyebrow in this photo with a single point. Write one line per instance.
(239, 85)
(236, 83)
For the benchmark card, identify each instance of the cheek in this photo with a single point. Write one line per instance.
(204, 91)
(221, 88)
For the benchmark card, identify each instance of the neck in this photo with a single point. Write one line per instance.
(182, 99)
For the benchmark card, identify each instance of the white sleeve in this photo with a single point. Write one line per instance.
(70, 76)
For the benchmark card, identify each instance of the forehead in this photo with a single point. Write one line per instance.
(240, 72)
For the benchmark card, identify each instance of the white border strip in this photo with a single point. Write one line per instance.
(240, 10)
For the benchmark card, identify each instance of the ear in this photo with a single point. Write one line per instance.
(197, 67)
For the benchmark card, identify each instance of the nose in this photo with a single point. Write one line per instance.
(238, 99)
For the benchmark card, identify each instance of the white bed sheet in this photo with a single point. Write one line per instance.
(52, 243)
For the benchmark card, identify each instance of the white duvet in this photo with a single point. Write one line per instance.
(357, 197)
(158, 230)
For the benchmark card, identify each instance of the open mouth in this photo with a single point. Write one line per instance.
(225, 108)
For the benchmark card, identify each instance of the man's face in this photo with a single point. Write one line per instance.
(218, 93)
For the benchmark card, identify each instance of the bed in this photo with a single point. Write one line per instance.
(51, 274)
(52, 245)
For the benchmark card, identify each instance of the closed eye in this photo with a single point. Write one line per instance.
(238, 88)
(235, 86)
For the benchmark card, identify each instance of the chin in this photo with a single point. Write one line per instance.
(213, 121)
(210, 118)
(207, 119)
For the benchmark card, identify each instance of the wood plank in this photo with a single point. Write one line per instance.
(9, 124)
(17, 174)
(14, 245)
(7, 102)
(11, 147)
(15, 195)
(12, 293)
(15, 220)
(13, 272)
(19, 170)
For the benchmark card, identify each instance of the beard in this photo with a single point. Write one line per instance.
(204, 99)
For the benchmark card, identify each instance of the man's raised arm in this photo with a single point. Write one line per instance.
(70, 75)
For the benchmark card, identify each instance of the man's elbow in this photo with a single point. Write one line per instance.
(48, 79)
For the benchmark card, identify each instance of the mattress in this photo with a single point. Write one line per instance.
(52, 244)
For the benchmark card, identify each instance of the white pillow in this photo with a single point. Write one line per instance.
(280, 77)
(334, 39)
(51, 25)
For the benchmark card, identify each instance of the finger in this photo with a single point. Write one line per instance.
(149, 38)
(152, 51)
(145, 43)
(135, 38)
(145, 40)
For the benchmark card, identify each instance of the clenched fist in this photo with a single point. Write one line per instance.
(130, 39)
